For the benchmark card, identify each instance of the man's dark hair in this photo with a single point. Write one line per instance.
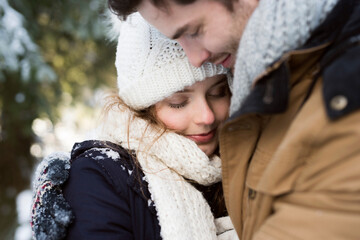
(124, 8)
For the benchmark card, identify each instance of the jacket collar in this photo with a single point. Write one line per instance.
(270, 93)
(341, 88)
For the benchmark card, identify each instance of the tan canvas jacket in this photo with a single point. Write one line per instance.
(295, 173)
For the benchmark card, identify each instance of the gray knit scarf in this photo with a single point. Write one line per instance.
(275, 27)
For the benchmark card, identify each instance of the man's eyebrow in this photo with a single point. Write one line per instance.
(180, 32)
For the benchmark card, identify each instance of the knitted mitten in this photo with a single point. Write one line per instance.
(51, 214)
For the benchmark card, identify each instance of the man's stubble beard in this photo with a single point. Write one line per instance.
(241, 15)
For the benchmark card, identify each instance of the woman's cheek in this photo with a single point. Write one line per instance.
(174, 119)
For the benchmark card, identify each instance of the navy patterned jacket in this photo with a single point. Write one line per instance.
(102, 185)
(105, 186)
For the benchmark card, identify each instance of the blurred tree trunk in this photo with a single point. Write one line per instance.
(15, 141)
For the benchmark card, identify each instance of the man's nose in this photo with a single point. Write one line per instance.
(196, 54)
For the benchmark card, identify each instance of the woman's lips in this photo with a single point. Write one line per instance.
(202, 138)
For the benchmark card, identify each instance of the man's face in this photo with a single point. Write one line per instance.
(206, 29)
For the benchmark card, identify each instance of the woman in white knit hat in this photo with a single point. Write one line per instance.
(154, 172)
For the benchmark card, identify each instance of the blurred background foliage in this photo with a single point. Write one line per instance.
(53, 55)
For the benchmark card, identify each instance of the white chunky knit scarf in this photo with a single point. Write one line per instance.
(275, 27)
(182, 211)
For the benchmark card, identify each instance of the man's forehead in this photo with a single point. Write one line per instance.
(169, 21)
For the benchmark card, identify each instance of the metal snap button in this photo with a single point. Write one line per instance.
(252, 194)
(338, 102)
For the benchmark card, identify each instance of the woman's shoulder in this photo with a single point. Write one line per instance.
(115, 163)
(94, 167)
(102, 151)
(101, 187)
(108, 159)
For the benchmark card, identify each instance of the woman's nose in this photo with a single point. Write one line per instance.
(204, 115)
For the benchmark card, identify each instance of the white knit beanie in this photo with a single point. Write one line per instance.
(151, 67)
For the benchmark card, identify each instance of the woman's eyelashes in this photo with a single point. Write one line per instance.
(217, 92)
(178, 102)
(181, 105)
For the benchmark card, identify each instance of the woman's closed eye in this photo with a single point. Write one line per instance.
(178, 105)
(177, 101)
